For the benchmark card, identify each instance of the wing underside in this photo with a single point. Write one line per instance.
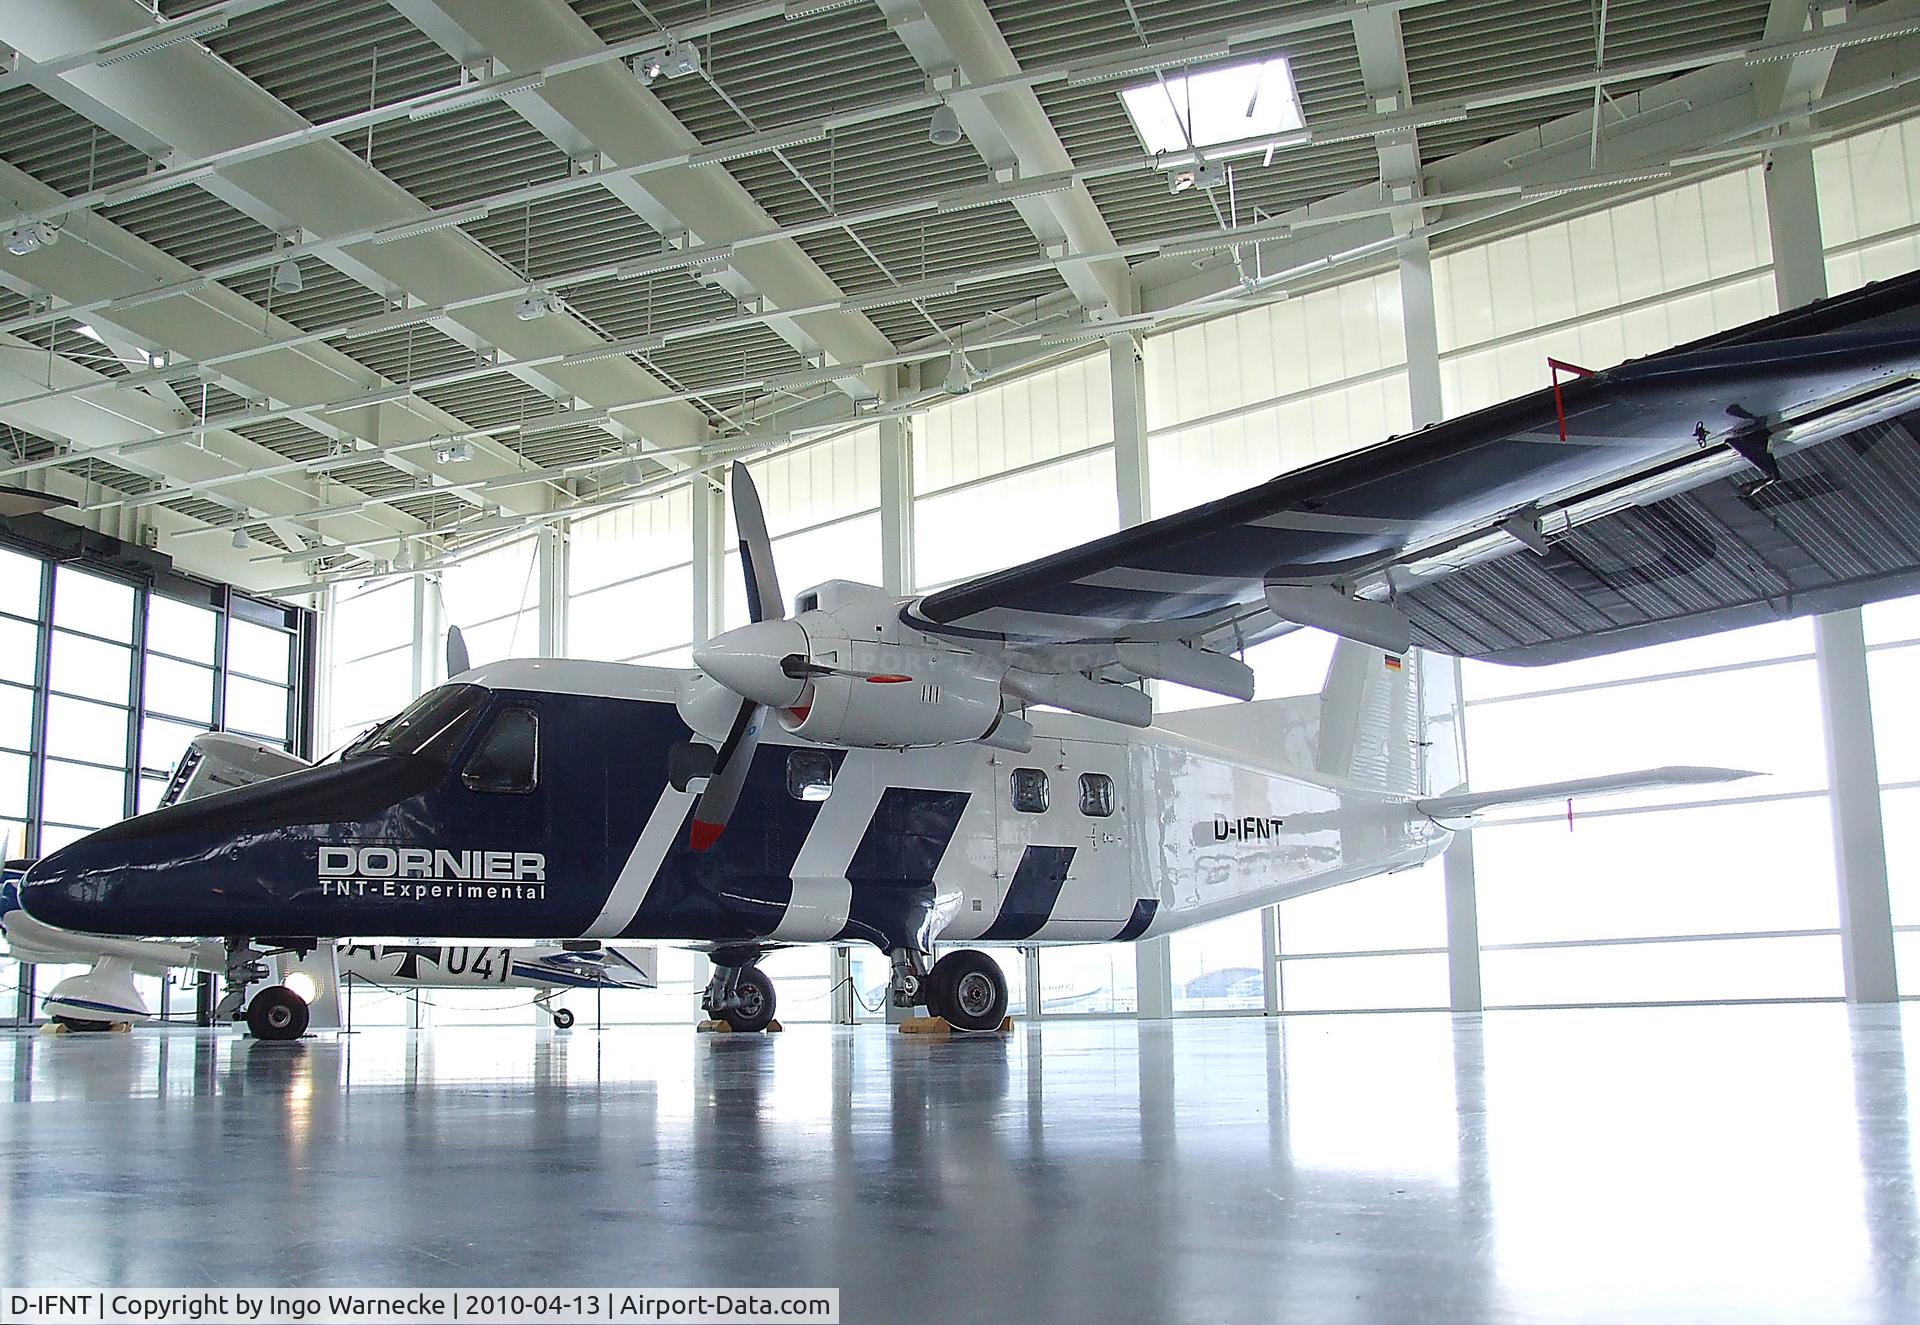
(1766, 472)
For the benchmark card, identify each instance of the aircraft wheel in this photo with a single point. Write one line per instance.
(967, 989)
(277, 1013)
(562, 1018)
(752, 1008)
(82, 1024)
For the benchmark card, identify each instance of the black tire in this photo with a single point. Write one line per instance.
(562, 1018)
(277, 1013)
(753, 1001)
(967, 989)
(82, 1024)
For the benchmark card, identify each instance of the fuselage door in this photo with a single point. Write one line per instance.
(1061, 828)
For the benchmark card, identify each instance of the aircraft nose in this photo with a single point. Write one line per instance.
(69, 888)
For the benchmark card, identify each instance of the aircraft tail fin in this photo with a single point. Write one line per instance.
(1388, 722)
(1391, 722)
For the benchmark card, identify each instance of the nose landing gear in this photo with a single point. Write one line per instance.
(274, 1013)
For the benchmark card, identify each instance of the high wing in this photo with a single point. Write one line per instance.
(1764, 472)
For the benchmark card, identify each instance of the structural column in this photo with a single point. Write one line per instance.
(1418, 316)
(550, 544)
(1839, 645)
(896, 505)
(1153, 958)
(709, 556)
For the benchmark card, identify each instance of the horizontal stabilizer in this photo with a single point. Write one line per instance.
(1467, 803)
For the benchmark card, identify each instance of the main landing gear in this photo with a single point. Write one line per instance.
(274, 1013)
(739, 993)
(965, 988)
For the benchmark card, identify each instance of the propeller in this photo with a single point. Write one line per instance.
(802, 668)
(457, 659)
(764, 604)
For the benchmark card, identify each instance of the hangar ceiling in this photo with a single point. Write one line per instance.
(751, 251)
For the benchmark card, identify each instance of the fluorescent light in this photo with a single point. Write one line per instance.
(753, 144)
(439, 221)
(986, 195)
(1166, 57)
(165, 37)
(1254, 99)
(475, 95)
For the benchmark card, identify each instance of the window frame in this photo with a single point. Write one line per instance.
(1014, 780)
(1103, 781)
(479, 749)
(804, 753)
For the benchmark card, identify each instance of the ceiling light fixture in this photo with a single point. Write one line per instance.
(535, 304)
(453, 453)
(1254, 99)
(23, 240)
(676, 59)
(633, 473)
(240, 539)
(960, 374)
(944, 129)
(286, 278)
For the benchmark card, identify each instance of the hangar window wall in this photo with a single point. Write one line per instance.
(494, 597)
(822, 504)
(630, 582)
(104, 681)
(372, 667)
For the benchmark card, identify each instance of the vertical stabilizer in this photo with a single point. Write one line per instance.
(1391, 723)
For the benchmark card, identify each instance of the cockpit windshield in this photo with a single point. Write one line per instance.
(432, 725)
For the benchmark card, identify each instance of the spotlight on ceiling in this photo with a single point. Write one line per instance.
(633, 473)
(960, 375)
(240, 539)
(35, 234)
(944, 129)
(453, 453)
(674, 60)
(534, 305)
(286, 278)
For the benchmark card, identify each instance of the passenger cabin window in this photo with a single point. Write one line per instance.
(1096, 795)
(507, 760)
(809, 775)
(1030, 790)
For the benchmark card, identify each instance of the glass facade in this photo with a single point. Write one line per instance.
(104, 681)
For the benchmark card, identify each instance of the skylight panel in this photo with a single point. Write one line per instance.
(1255, 99)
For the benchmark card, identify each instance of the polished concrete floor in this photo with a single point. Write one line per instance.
(1704, 1164)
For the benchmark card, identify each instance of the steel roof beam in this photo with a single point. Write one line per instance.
(602, 109)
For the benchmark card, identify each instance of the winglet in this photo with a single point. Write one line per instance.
(1465, 804)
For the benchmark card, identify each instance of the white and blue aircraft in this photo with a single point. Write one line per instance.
(982, 764)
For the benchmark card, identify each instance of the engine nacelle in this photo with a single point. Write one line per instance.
(902, 694)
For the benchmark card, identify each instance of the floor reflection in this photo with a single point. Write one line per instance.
(1755, 1163)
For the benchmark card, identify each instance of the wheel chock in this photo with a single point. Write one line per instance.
(52, 1028)
(121, 1028)
(941, 1026)
(715, 1026)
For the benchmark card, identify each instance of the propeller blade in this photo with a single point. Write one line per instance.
(722, 793)
(756, 549)
(801, 668)
(457, 660)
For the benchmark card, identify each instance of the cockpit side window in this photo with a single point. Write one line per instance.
(432, 726)
(507, 758)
